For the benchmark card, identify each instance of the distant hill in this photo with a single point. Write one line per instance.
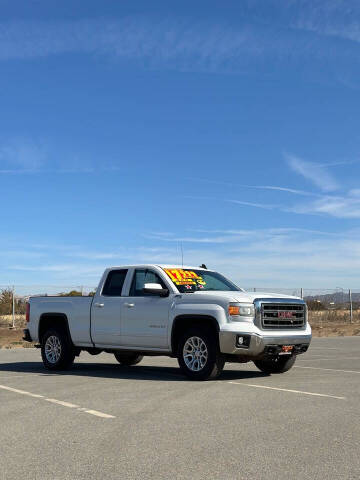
(336, 297)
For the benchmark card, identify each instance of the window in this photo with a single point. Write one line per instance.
(188, 281)
(140, 278)
(114, 283)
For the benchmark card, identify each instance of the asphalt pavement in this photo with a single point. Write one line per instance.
(104, 421)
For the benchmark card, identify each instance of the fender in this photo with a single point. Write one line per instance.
(49, 319)
(188, 314)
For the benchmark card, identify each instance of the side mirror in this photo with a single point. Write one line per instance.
(155, 289)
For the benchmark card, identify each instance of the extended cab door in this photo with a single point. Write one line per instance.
(106, 310)
(144, 317)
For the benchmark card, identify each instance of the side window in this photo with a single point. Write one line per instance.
(140, 278)
(114, 283)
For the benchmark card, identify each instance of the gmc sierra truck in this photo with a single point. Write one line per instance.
(193, 314)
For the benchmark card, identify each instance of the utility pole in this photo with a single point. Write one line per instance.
(13, 307)
(351, 306)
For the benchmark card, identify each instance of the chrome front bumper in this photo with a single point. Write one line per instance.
(259, 343)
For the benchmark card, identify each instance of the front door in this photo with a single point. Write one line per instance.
(106, 310)
(144, 317)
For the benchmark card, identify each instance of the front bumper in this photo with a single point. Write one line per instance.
(260, 344)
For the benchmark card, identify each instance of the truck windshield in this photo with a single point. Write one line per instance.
(188, 281)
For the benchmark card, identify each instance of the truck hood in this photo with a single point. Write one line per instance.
(248, 297)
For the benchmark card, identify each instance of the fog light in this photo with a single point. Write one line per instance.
(243, 341)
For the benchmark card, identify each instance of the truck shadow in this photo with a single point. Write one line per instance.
(138, 372)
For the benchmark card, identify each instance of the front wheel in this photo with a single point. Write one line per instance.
(279, 364)
(128, 359)
(198, 354)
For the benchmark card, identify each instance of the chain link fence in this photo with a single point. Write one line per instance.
(325, 306)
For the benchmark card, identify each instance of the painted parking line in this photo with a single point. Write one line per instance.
(288, 390)
(329, 369)
(57, 402)
(96, 413)
(30, 374)
(22, 392)
(60, 402)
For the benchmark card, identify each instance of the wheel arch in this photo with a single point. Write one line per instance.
(185, 321)
(53, 320)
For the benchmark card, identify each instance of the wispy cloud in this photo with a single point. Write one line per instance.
(316, 173)
(34, 171)
(336, 18)
(322, 202)
(335, 206)
(158, 39)
(180, 43)
(252, 257)
(265, 206)
(221, 236)
(23, 153)
(282, 189)
(258, 187)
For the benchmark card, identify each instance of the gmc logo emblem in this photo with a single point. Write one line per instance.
(285, 314)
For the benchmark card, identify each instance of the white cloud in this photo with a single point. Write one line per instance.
(179, 43)
(335, 18)
(276, 257)
(316, 173)
(339, 207)
(257, 187)
(157, 39)
(281, 189)
(23, 153)
(265, 206)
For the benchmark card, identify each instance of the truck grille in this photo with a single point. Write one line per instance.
(283, 315)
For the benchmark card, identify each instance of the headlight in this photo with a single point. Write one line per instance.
(239, 310)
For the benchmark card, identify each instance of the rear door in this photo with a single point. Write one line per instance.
(106, 310)
(144, 318)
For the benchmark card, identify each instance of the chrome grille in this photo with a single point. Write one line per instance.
(283, 315)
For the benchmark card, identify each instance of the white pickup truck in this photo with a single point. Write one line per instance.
(191, 313)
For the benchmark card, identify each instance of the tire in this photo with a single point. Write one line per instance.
(276, 365)
(128, 359)
(57, 351)
(199, 356)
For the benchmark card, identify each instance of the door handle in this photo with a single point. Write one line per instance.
(100, 305)
(129, 305)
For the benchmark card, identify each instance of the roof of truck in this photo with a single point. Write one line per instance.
(161, 265)
(181, 266)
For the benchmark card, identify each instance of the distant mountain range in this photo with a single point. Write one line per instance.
(336, 297)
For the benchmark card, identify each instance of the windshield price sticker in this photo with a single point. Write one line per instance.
(184, 277)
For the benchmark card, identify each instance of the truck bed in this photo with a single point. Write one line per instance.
(77, 310)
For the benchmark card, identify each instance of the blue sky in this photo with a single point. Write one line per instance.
(130, 127)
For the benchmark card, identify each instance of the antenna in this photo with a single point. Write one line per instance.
(182, 254)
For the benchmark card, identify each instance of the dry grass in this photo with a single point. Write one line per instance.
(12, 338)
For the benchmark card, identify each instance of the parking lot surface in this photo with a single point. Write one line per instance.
(100, 420)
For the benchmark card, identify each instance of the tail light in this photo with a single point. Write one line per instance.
(28, 312)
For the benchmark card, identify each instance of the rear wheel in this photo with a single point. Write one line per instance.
(128, 359)
(279, 364)
(57, 350)
(199, 356)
